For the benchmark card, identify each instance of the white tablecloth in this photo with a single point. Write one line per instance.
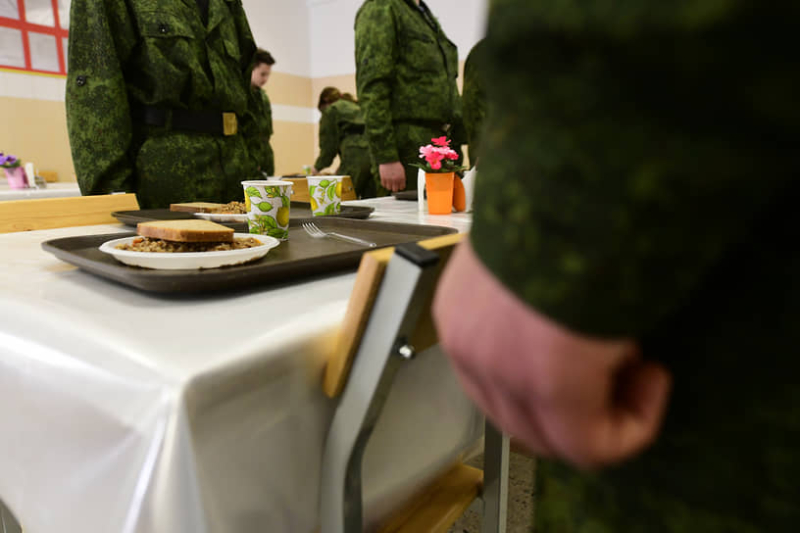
(129, 412)
(53, 190)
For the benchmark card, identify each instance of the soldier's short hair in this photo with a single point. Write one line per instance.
(262, 56)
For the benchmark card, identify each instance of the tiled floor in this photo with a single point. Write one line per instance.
(520, 499)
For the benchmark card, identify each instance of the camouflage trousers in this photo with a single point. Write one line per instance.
(356, 163)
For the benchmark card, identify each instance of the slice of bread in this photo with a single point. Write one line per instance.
(185, 231)
(195, 207)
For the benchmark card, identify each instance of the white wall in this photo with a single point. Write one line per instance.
(332, 36)
(282, 28)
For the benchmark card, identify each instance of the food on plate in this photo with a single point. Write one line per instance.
(186, 236)
(231, 208)
(145, 244)
(195, 207)
(185, 231)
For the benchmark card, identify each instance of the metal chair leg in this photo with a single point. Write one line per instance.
(495, 480)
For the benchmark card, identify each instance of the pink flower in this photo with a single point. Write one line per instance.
(437, 165)
(451, 155)
(441, 141)
(434, 158)
(425, 151)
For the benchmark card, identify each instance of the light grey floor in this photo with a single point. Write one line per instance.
(520, 498)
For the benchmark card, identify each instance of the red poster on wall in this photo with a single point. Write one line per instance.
(34, 35)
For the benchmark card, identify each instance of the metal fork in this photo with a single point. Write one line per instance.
(317, 233)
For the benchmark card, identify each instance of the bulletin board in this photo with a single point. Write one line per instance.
(34, 36)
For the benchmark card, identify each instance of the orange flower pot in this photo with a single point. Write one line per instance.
(440, 193)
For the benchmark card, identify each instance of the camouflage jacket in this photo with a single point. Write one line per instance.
(406, 70)
(259, 145)
(341, 119)
(474, 100)
(626, 192)
(125, 54)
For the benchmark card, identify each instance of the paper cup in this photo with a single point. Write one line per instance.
(268, 204)
(325, 193)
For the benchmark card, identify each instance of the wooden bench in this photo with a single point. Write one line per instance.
(49, 213)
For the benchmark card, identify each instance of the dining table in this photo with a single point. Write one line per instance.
(125, 411)
(51, 190)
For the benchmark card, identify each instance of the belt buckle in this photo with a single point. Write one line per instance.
(230, 124)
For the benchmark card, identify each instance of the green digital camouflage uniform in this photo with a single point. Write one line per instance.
(406, 70)
(127, 53)
(259, 145)
(640, 180)
(474, 100)
(341, 132)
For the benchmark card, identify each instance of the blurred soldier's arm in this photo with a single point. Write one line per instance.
(101, 38)
(328, 140)
(600, 210)
(376, 56)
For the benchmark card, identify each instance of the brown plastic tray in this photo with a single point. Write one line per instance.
(300, 257)
(299, 210)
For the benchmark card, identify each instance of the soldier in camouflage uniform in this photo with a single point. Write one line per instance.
(474, 100)
(341, 132)
(158, 95)
(259, 145)
(406, 71)
(635, 225)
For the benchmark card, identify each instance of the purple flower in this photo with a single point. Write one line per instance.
(8, 161)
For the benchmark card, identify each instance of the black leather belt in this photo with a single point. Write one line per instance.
(212, 122)
(354, 130)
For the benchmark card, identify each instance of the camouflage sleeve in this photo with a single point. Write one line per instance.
(98, 115)
(474, 101)
(615, 176)
(328, 140)
(376, 54)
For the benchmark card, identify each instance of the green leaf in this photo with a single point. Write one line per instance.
(252, 192)
(285, 201)
(311, 190)
(255, 229)
(332, 191)
(277, 233)
(272, 192)
(329, 209)
(268, 221)
(266, 207)
(324, 183)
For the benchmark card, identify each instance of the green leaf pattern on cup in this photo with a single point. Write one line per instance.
(278, 233)
(326, 197)
(285, 201)
(252, 192)
(265, 207)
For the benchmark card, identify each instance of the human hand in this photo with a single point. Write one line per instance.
(584, 400)
(393, 176)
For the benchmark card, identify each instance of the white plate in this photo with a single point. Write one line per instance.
(189, 260)
(222, 217)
